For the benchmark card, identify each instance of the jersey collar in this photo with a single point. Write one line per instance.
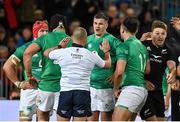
(76, 45)
(133, 37)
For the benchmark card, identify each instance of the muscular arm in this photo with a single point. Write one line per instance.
(10, 69)
(148, 67)
(172, 66)
(107, 60)
(29, 52)
(120, 67)
(46, 53)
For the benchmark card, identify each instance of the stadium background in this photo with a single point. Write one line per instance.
(17, 16)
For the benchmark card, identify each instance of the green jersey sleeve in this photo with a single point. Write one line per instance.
(40, 41)
(122, 52)
(20, 51)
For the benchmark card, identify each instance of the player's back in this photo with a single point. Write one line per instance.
(50, 70)
(137, 56)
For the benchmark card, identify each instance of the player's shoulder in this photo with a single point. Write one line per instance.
(110, 36)
(24, 46)
(91, 36)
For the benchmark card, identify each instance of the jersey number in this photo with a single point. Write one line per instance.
(142, 61)
(40, 63)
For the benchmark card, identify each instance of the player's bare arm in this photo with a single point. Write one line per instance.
(148, 67)
(146, 36)
(10, 68)
(171, 76)
(106, 48)
(120, 67)
(46, 53)
(29, 52)
(176, 85)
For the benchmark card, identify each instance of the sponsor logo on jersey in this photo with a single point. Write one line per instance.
(89, 45)
(164, 51)
(148, 48)
(77, 50)
(76, 56)
(155, 58)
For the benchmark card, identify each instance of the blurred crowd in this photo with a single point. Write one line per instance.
(17, 16)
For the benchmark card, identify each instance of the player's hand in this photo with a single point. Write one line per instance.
(33, 81)
(116, 92)
(27, 85)
(64, 42)
(175, 85)
(171, 78)
(175, 21)
(110, 79)
(146, 36)
(105, 46)
(150, 86)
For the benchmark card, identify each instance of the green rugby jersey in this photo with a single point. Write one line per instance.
(36, 61)
(50, 69)
(136, 56)
(98, 75)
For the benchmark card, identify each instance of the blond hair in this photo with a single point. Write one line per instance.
(158, 24)
(79, 33)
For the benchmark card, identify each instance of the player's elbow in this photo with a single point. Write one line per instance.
(27, 54)
(107, 65)
(6, 66)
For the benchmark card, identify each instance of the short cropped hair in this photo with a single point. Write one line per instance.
(158, 24)
(131, 24)
(79, 33)
(101, 15)
(58, 20)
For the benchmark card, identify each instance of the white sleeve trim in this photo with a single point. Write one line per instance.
(12, 59)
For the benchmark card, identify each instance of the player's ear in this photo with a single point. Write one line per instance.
(123, 31)
(106, 24)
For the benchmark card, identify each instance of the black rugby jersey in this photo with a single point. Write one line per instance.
(158, 57)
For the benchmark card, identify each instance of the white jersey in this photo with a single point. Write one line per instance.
(76, 65)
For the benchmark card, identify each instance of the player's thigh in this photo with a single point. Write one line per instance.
(132, 98)
(45, 100)
(102, 100)
(27, 104)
